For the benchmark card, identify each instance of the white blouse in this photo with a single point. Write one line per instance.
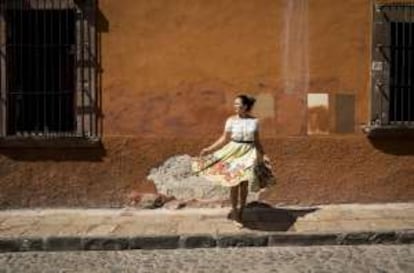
(242, 129)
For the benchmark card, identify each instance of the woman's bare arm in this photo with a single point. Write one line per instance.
(219, 142)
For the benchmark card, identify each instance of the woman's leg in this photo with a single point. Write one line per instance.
(243, 197)
(234, 196)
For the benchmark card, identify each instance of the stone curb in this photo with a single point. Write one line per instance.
(79, 243)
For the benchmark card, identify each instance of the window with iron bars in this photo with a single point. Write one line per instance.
(392, 100)
(48, 69)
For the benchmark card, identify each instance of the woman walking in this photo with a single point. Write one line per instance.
(234, 163)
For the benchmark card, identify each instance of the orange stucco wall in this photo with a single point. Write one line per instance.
(172, 68)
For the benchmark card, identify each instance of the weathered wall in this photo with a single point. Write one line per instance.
(172, 68)
(315, 170)
(170, 73)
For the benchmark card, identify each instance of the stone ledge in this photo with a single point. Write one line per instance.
(154, 242)
(389, 132)
(405, 237)
(62, 243)
(303, 239)
(200, 241)
(105, 243)
(242, 240)
(33, 244)
(50, 142)
(79, 243)
(9, 245)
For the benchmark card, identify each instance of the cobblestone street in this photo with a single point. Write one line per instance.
(376, 258)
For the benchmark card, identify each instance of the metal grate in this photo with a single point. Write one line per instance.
(48, 68)
(393, 65)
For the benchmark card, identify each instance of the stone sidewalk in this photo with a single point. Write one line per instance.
(129, 228)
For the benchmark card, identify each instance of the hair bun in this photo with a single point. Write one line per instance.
(251, 99)
(247, 100)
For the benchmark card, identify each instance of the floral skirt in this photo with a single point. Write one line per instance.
(232, 164)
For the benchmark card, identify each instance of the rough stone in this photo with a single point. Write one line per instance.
(356, 238)
(302, 239)
(384, 237)
(155, 242)
(9, 245)
(148, 200)
(242, 241)
(63, 243)
(321, 259)
(198, 241)
(105, 243)
(175, 204)
(406, 237)
(31, 244)
(175, 178)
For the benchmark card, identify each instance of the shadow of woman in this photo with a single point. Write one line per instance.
(261, 216)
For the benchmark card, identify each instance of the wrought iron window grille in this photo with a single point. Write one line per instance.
(49, 69)
(392, 66)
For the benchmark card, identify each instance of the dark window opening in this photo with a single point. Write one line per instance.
(401, 97)
(392, 67)
(50, 75)
(40, 65)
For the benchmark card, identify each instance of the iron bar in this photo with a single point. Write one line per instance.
(97, 76)
(9, 45)
(8, 18)
(37, 69)
(23, 109)
(403, 66)
(67, 52)
(82, 70)
(381, 87)
(89, 69)
(395, 76)
(10, 41)
(2, 98)
(21, 106)
(398, 74)
(61, 50)
(45, 55)
(51, 102)
(392, 72)
(410, 64)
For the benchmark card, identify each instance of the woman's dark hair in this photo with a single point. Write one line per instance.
(247, 101)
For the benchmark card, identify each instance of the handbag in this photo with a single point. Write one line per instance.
(264, 176)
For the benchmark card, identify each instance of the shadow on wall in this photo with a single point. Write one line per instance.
(96, 20)
(261, 216)
(394, 145)
(102, 26)
(67, 153)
